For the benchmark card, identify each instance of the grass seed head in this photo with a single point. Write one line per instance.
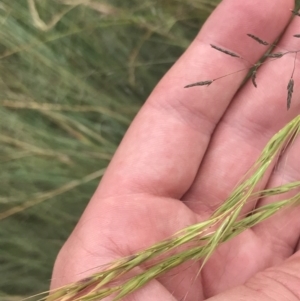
(225, 51)
(257, 39)
(290, 88)
(202, 83)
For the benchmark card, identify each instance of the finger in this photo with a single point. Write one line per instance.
(161, 152)
(254, 116)
(276, 284)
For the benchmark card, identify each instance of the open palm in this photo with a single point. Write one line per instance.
(183, 155)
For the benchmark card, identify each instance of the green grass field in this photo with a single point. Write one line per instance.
(73, 75)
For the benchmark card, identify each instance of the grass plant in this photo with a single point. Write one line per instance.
(74, 74)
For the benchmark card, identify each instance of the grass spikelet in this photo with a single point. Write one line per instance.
(257, 39)
(225, 51)
(290, 88)
(226, 223)
(202, 83)
(276, 55)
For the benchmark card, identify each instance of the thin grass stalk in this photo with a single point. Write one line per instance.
(50, 194)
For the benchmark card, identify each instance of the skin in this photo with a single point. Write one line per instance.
(185, 152)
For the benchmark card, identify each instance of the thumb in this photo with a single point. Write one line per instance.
(279, 283)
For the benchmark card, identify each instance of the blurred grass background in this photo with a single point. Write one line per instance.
(73, 75)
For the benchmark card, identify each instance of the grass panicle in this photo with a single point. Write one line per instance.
(254, 67)
(198, 241)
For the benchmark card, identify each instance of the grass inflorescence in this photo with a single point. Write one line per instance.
(254, 67)
(196, 242)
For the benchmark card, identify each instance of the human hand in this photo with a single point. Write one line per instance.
(185, 152)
